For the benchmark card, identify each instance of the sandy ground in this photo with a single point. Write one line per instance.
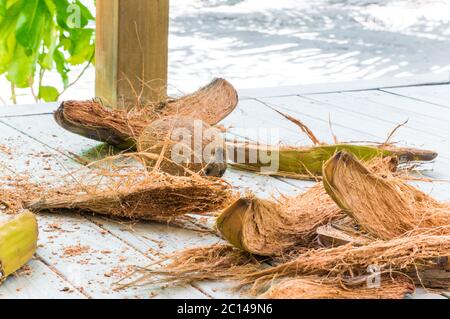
(263, 43)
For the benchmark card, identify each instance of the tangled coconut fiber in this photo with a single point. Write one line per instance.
(326, 288)
(215, 262)
(155, 196)
(405, 254)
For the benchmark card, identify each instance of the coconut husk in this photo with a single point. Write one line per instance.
(413, 258)
(266, 228)
(121, 128)
(406, 254)
(156, 196)
(215, 262)
(184, 143)
(328, 288)
(384, 207)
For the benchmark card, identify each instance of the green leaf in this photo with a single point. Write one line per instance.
(50, 43)
(22, 68)
(30, 25)
(81, 49)
(36, 35)
(48, 93)
(61, 67)
(7, 45)
(61, 13)
(3, 8)
(86, 15)
(50, 6)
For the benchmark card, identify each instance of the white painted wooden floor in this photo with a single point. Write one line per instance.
(358, 112)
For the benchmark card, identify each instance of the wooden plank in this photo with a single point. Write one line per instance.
(25, 110)
(346, 111)
(152, 235)
(323, 107)
(438, 95)
(131, 51)
(253, 119)
(38, 282)
(156, 240)
(146, 241)
(412, 108)
(349, 86)
(316, 115)
(425, 126)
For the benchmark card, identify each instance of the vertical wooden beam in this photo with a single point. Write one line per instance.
(132, 51)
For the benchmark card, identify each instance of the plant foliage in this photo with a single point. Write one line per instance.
(37, 36)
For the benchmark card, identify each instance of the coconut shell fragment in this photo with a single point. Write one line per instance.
(121, 128)
(183, 145)
(384, 207)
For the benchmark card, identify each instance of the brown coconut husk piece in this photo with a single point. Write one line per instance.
(329, 288)
(266, 228)
(184, 143)
(405, 254)
(215, 262)
(156, 196)
(121, 128)
(384, 207)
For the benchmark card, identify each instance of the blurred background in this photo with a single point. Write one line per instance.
(267, 43)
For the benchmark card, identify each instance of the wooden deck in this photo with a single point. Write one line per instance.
(361, 111)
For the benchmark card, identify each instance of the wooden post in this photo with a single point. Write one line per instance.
(131, 51)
